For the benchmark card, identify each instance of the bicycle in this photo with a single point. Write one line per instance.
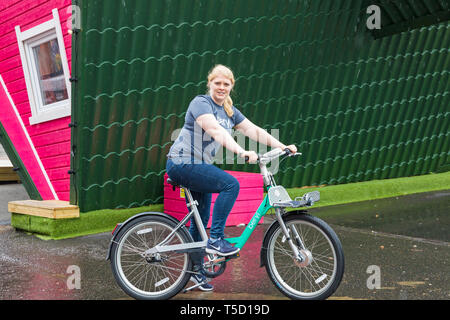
(150, 252)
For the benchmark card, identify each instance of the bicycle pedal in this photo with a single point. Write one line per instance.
(193, 287)
(234, 256)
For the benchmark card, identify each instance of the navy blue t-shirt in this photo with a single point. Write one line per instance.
(194, 145)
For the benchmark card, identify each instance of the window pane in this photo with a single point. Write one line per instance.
(50, 72)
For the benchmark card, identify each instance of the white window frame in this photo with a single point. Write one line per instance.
(26, 40)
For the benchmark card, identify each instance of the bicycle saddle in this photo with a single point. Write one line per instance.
(173, 183)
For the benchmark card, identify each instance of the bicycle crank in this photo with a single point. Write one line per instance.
(216, 264)
(304, 258)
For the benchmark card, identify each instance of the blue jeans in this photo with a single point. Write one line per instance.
(203, 180)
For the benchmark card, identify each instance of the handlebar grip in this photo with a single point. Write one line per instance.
(246, 158)
(288, 151)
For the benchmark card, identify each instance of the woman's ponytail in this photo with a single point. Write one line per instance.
(228, 106)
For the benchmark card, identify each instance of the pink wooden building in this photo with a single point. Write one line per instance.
(35, 59)
(35, 104)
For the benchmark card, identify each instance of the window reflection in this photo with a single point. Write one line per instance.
(50, 72)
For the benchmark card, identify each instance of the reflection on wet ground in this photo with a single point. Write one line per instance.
(424, 215)
(406, 238)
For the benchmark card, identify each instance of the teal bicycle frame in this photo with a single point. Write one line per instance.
(240, 241)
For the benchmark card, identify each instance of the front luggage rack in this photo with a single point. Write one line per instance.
(279, 197)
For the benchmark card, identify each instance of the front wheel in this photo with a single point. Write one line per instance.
(320, 272)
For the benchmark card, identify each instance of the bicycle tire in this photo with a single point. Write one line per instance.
(325, 270)
(147, 278)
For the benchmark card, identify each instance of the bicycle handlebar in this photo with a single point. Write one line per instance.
(272, 154)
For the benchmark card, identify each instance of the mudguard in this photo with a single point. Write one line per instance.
(268, 231)
(121, 225)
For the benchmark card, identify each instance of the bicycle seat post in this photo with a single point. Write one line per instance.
(192, 206)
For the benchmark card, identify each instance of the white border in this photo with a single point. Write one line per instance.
(41, 166)
(25, 39)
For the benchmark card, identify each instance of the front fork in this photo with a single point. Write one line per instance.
(294, 246)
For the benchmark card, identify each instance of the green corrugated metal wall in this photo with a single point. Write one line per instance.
(357, 108)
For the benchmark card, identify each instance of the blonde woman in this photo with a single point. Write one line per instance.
(208, 125)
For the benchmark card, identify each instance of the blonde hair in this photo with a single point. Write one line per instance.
(221, 70)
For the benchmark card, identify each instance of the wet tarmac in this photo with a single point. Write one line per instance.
(404, 239)
(10, 191)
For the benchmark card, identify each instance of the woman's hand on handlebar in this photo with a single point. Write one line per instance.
(292, 148)
(250, 155)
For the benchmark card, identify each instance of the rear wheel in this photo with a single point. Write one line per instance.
(151, 277)
(320, 273)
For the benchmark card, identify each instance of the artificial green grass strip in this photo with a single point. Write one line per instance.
(376, 189)
(88, 223)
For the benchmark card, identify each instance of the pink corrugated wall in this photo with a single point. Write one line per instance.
(51, 139)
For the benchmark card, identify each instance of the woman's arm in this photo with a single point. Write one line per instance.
(209, 123)
(254, 132)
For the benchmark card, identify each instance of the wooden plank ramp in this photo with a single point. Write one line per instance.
(54, 209)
